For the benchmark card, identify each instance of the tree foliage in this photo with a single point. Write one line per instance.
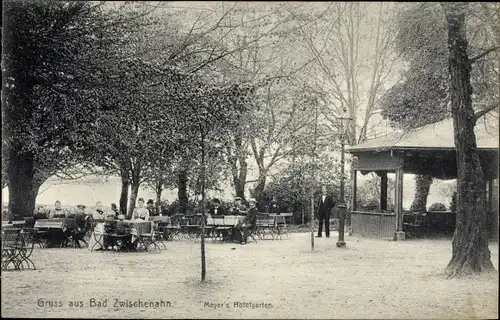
(423, 94)
(56, 58)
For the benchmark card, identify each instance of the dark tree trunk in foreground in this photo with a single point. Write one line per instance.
(182, 192)
(22, 187)
(159, 189)
(422, 187)
(470, 240)
(124, 193)
(133, 198)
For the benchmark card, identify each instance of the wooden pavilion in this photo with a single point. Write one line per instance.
(428, 150)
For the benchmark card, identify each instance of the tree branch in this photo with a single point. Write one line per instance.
(485, 110)
(479, 56)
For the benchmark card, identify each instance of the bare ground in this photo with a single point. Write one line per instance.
(368, 279)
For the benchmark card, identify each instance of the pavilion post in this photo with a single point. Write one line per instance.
(354, 195)
(398, 208)
(383, 191)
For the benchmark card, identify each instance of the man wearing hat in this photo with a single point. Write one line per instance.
(238, 208)
(248, 223)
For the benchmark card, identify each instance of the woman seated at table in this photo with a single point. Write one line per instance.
(58, 211)
(140, 212)
(99, 212)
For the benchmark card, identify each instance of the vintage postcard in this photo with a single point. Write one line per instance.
(250, 160)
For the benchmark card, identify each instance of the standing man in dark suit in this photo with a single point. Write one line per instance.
(325, 205)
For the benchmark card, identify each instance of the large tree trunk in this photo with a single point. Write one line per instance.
(259, 187)
(133, 198)
(239, 174)
(159, 189)
(422, 187)
(124, 192)
(470, 240)
(182, 192)
(135, 183)
(239, 180)
(22, 187)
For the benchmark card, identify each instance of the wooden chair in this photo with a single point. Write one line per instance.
(223, 230)
(173, 230)
(265, 226)
(11, 244)
(158, 234)
(113, 240)
(146, 237)
(16, 251)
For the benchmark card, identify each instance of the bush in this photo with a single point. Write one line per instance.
(437, 207)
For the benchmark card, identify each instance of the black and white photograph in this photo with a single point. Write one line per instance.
(250, 160)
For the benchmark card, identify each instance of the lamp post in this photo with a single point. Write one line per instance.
(344, 123)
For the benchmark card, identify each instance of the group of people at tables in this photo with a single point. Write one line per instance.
(242, 230)
(100, 213)
(81, 217)
(143, 211)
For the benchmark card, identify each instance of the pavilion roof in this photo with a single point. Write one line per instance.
(436, 136)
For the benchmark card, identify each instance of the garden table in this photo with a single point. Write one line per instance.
(57, 229)
(13, 224)
(134, 230)
(137, 227)
(224, 224)
(56, 223)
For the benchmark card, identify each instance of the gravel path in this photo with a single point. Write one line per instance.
(269, 279)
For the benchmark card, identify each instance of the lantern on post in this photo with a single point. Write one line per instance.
(344, 122)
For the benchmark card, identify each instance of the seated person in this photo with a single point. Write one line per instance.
(40, 213)
(238, 208)
(150, 205)
(248, 223)
(71, 213)
(58, 211)
(114, 211)
(273, 207)
(140, 212)
(216, 209)
(81, 226)
(80, 217)
(98, 214)
(120, 225)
